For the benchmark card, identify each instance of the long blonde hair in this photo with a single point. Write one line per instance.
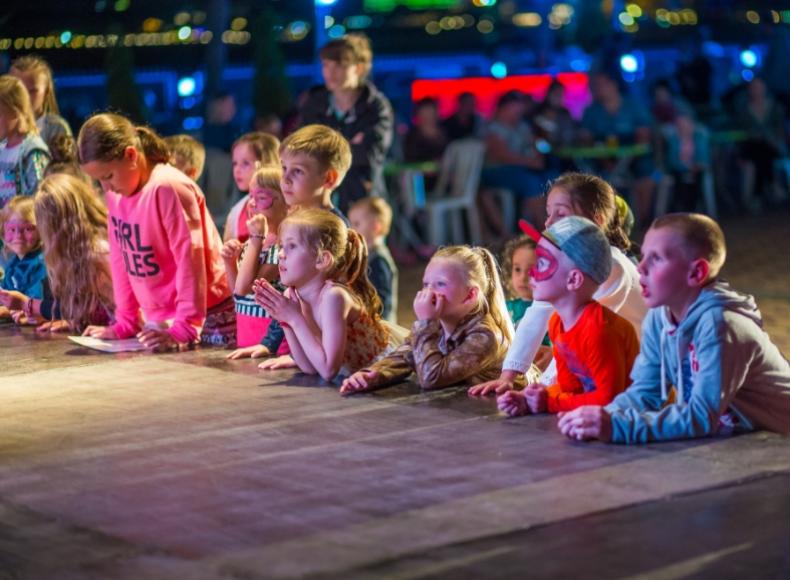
(14, 98)
(31, 63)
(481, 270)
(73, 225)
(322, 230)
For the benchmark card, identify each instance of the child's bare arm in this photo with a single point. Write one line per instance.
(230, 255)
(248, 268)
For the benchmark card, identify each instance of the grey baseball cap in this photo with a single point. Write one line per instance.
(582, 241)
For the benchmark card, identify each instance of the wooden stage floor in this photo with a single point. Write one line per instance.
(188, 466)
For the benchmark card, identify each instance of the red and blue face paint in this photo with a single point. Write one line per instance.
(545, 266)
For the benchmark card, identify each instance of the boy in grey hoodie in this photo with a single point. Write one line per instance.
(701, 338)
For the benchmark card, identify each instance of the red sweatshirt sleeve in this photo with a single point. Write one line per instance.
(594, 362)
(180, 214)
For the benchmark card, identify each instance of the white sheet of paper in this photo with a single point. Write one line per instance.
(124, 345)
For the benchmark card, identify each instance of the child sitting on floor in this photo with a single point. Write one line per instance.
(372, 217)
(700, 337)
(187, 154)
(315, 159)
(249, 153)
(462, 330)
(167, 271)
(518, 259)
(594, 348)
(72, 222)
(256, 258)
(331, 313)
(25, 272)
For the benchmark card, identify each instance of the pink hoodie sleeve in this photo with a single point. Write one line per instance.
(127, 309)
(180, 214)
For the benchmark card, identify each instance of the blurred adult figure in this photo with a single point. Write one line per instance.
(512, 159)
(615, 119)
(763, 118)
(666, 105)
(350, 103)
(553, 121)
(425, 139)
(465, 122)
(221, 128)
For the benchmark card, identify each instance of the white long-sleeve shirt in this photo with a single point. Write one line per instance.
(621, 292)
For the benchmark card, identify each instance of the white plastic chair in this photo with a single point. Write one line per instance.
(455, 196)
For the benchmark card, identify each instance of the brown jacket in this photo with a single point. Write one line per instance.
(473, 353)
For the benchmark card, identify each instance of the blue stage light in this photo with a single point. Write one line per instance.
(629, 63)
(748, 58)
(186, 87)
(499, 70)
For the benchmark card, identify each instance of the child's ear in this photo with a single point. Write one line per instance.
(130, 154)
(575, 279)
(472, 294)
(323, 260)
(330, 178)
(699, 272)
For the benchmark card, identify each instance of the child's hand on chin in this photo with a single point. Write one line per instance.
(428, 305)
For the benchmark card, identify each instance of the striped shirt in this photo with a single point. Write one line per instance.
(246, 304)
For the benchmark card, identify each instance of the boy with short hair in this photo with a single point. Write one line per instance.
(371, 217)
(315, 159)
(594, 347)
(700, 337)
(187, 154)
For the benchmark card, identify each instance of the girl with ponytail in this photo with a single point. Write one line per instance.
(462, 330)
(330, 311)
(168, 276)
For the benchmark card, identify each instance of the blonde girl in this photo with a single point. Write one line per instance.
(167, 271)
(462, 330)
(330, 311)
(36, 76)
(588, 196)
(72, 222)
(249, 153)
(23, 154)
(256, 258)
(25, 273)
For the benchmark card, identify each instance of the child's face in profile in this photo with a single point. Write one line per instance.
(664, 268)
(297, 262)
(445, 278)
(559, 204)
(20, 235)
(547, 276)
(244, 165)
(303, 180)
(365, 223)
(267, 201)
(524, 259)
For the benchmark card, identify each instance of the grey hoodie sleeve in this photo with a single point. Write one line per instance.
(716, 375)
(644, 393)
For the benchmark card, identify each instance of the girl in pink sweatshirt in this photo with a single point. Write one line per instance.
(168, 278)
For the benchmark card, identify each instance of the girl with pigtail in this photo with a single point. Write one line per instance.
(330, 311)
(168, 277)
(462, 332)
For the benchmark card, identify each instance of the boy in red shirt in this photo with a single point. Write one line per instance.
(594, 348)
